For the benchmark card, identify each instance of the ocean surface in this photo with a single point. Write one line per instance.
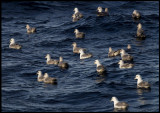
(79, 87)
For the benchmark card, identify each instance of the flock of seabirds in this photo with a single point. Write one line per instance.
(124, 63)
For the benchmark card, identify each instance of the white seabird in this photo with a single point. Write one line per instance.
(51, 61)
(128, 46)
(123, 65)
(77, 15)
(101, 13)
(40, 77)
(141, 83)
(118, 104)
(112, 53)
(30, 30)
(136, 14)
(100, 68)
(140, 32)
(75, 48)
(62, 64)
(84, 55)
(13, 45)
(125, 56)
(49, 80)
(79, 34)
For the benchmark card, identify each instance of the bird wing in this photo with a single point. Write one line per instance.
(122, 104)
(142, 84)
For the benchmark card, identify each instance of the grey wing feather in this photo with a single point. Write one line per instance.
(87, 55)
(117, 52)
(127, 57)
(52, 61)
(80, 35)
(142, 84)
(127, 65)
(76, 50)
(111, 54)
(16, 46)
(122, 104)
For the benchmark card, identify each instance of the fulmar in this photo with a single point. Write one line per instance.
(13, 45)
(141, 83)
(118, 104)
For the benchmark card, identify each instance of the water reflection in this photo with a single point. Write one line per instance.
(120, 110)
(100, 79)
(142, 100)
(141, 91)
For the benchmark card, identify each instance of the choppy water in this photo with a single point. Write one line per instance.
(79, 88)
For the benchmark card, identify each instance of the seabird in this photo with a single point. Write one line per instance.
(13, 45)
(49, 80)
(140, 32)
(112, 53)
(101, 13)
(30, 30)
(84, 55)
(75, 48)
(77, 15)
(51, 61)
(40, 77)
(123, 65)
(125, 56)
(141, 83)
(136, 14)
(100, 68)
(62, 64)
(79, 34)
(128, 46)
(119, 105)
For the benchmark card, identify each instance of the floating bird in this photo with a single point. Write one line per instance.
(112, 53)
(77, 15)
(49, 80)
(141, 83)
(76, 49)
(128, 46)
(125, 56)
(79, 34)
(100, 68)
(119, 105)
(62, 64)
(136, 14)
(101, 13)
(84, 55)
(140, 32)
(123, 65)
(51, 61)
(40, 77)
(30, 30)
(13, 45)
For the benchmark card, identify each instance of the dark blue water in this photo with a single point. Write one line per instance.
(79, 88)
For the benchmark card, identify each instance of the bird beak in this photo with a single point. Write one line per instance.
(135, 78)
